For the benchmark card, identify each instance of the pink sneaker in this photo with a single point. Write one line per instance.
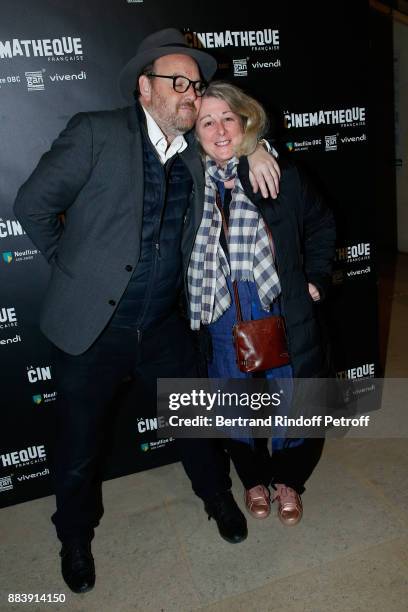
(290, 508)
(258, 501)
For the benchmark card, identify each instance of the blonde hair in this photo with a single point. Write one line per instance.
(252, 114)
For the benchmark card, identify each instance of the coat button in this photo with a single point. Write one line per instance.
(112, 302)
(129, 268)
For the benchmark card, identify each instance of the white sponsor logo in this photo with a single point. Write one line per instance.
(68, 77)
(258, 39)
(258, 65)
(44, 47)
(11, 79)
(27, 456)
(156, 445)
(39, 373)
(44, 397)
(8, 318)
(35, 80)
(10, 227)
(27, 254)
(354, 252)
(331, 142)
(16, 338)
(153, 424)
(347, 139)
(366, 270)
(343, 116)
(18, 256)
(32, 476)
(303, 145)
(240, 67)
(364, 371)
(6, 483)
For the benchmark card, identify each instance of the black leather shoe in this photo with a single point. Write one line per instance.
(77, 565)
(231, 522)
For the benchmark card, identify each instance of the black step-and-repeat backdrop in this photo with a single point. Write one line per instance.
(307, 64)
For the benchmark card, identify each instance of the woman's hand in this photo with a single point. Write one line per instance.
(314, 292)
(264, 172)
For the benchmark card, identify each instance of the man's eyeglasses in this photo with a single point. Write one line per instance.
(182, 83)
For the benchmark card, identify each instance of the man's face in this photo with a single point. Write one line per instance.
(175, 113)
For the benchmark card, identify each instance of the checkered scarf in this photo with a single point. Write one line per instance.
(249, 251)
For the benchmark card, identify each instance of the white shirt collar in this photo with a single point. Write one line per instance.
(159, 141)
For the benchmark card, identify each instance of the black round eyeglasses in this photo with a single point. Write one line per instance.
(182, 83)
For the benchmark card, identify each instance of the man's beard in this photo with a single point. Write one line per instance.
(172, 123)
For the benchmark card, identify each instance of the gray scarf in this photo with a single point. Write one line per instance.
(249, 251)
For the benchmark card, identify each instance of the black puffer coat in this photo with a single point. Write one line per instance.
(303, 231)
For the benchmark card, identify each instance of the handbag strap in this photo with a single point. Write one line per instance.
(237, 302)
(234, 283)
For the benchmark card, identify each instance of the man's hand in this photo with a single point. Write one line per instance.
(264, 172)
(314, 292)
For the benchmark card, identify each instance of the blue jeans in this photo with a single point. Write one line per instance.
(293, 459)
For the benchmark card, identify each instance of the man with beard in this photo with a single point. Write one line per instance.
(130, 188)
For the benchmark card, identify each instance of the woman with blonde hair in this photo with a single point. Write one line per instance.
(278, 254)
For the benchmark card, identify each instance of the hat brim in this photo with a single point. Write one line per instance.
(131, 72)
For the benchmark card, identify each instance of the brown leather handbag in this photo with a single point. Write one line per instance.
(261, 344)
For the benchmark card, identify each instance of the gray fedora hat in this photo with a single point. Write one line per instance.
(163, 42)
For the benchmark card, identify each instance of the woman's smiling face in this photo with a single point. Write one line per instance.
(219, 130)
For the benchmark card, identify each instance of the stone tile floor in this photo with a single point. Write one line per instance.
(156, 551)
